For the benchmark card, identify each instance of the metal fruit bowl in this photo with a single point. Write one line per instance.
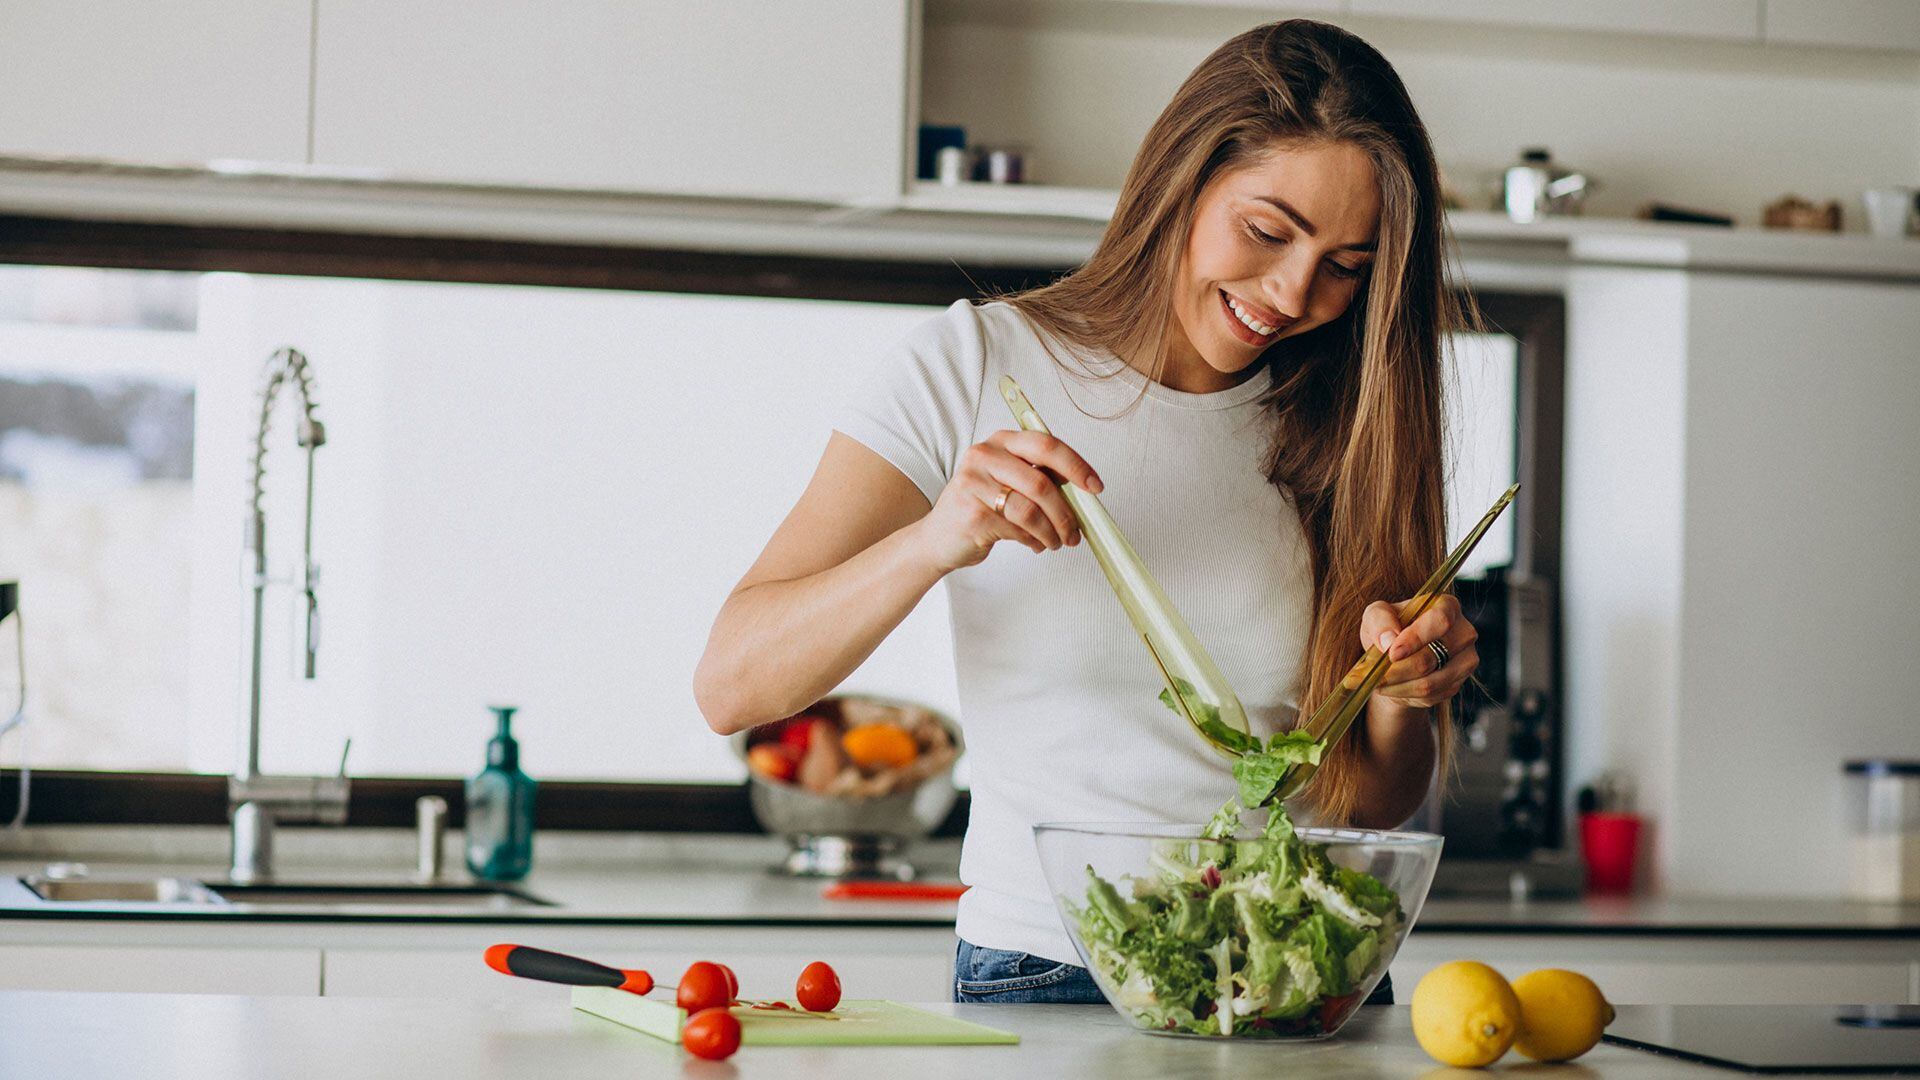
(844, 836)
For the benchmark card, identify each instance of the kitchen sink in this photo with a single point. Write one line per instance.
(488, 897)
(310, 895)
(166, 890)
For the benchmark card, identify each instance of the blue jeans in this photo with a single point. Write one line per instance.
(1001, 977)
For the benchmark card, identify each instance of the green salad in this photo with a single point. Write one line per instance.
(1247, 937)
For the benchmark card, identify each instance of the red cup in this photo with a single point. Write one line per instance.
(1611, 845)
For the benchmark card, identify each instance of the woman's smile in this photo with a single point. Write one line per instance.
(1250, 323)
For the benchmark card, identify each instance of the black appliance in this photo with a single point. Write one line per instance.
(1503, 809)
(1777, 1039)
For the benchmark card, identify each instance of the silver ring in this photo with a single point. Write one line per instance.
(1000, 504)
(1440, 654)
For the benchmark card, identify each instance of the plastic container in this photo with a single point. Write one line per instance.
(1883, 842)
(500, 809)
(1610, 846)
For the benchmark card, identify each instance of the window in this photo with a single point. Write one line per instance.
(97, 376)
(528, 495)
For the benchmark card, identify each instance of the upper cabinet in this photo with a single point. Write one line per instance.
(1867, 24)
(721, 97)
(181, 82)
(1732, 20)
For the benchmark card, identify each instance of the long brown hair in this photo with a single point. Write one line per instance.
(1356, 403)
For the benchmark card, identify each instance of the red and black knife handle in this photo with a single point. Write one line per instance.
(530, 963)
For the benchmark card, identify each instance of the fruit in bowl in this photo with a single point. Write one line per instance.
(852, 747)
(851, 781)
(1216, 932)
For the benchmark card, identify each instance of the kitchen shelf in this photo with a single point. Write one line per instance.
(1025, 200)
(1012, 224)
(1596, 240)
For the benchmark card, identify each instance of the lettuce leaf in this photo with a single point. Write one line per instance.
(1260, 771)
(1206, 717)
(1247, 938)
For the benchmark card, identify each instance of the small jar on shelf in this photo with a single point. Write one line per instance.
(1883, 842)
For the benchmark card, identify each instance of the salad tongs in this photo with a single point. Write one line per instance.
(1330, 721)
(1195, 688)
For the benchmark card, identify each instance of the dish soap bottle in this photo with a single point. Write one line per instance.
(500, 809)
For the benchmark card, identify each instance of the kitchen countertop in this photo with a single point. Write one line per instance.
(724, 880)
(211, 1037)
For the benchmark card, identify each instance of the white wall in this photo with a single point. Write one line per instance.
(1623, 502)
(1711, 124)
(1739, 557)
(1802, 566)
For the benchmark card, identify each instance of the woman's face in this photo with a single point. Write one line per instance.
(1277, 248)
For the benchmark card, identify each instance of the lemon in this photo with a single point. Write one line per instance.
(1465, 1014)
(1561, 1014)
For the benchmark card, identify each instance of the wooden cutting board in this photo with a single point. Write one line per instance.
(861, 1023)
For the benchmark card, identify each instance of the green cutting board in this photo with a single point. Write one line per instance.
(861, 1023)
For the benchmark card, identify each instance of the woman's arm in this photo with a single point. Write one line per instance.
(1397, 747)
(855, 555)
(838, 575)
(1397, 750)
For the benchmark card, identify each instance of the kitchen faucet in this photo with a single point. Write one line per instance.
(257, 802)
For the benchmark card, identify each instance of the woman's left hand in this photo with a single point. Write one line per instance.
(1417, 680)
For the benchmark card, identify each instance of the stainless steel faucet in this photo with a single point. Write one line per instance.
(257, 802)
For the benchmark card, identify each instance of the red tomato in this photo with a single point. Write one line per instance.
(1332, 1009)
(818, 989)
(704, 986)
(733, 982)
(797, 733)
(711, 1033)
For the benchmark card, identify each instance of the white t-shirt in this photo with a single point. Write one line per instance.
(1058, 696)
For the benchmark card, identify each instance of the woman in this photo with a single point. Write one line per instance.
(1252, 358)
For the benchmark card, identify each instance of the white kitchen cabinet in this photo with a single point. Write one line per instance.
(182, 82)
(1867, 24)
(1730, 20)
(1644, 970)
(167, 969)
(726, 97)
(900, 964)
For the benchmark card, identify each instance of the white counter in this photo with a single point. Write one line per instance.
(212, 1037)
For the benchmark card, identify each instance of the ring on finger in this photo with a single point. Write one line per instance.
(1440, 654)
(1000, 504)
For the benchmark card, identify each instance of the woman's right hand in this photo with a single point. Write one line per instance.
(963, 525)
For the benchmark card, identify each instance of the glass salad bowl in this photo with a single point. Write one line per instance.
(1277, 935)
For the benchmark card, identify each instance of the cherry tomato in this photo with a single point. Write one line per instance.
(711, 1033)
(704, 986)
(818, 989)
(1332, 1009)
(733, 983)
(797, 733)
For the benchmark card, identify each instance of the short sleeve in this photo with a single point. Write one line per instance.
(918, 407)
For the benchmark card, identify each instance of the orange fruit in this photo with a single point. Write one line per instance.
(876, 746)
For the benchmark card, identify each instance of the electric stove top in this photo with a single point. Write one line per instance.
(1778, 1038)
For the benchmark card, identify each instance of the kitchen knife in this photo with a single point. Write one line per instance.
(553, 967)
(893, 890)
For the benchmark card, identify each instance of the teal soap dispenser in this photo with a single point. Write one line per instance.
(500, 809)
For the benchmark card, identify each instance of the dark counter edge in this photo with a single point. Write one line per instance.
(109, 798)
(527, 918)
